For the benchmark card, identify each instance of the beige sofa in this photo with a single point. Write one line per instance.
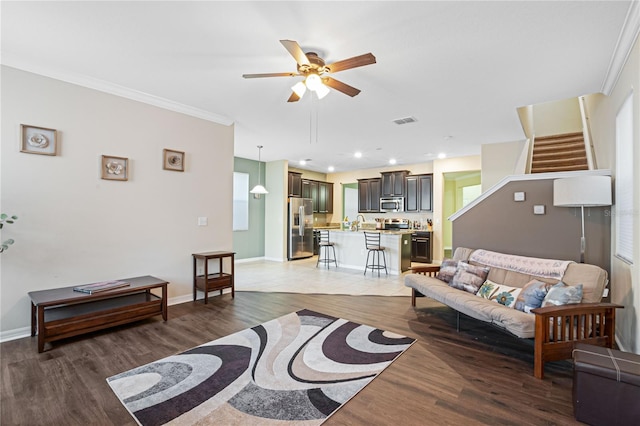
(551, 343)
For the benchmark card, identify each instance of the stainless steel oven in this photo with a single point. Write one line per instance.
(392, 204)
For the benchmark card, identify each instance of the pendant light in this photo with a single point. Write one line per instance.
(259, 189)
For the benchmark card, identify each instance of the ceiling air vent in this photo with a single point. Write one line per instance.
(405, 120)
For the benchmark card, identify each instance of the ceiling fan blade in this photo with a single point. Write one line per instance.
(293, 98)
(340, 86)
(296, 51)
(356, 61)
(273, 74)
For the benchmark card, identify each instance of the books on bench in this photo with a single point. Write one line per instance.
(101, 286)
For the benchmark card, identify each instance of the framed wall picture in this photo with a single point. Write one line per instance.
(38, 140)
(115, 168)
(173, 160)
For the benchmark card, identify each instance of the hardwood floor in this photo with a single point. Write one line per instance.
(479, 375)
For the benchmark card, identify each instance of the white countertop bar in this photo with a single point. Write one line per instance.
(351, 252)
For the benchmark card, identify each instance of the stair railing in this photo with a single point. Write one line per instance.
(530, 142)
(586, 132)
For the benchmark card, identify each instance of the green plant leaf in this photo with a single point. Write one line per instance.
(3, 216)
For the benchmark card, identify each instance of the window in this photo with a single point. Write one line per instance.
(240, 201)
(624, 181)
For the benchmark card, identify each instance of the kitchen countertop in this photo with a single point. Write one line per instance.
(382, 231)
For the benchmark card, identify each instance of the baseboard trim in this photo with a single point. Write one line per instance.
(249, 259)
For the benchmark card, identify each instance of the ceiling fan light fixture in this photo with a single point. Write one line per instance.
(313, 82)
(299, 88)
(322, 91)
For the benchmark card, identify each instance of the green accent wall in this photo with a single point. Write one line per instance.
(345, 185)
(249, 244)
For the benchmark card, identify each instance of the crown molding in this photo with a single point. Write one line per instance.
(113, 89)
(626, 39)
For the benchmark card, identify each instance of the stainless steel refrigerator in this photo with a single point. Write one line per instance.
(300, 229)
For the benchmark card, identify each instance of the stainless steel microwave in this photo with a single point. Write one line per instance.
(392, 204)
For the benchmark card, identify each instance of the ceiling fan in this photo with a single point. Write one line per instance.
(313, 69)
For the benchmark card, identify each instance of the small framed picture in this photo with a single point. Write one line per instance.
(115, 168)
(173, 160)
(38, 140)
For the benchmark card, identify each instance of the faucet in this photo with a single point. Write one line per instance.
(358, 222)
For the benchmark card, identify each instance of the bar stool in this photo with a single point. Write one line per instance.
(372, 244)
(323, 245)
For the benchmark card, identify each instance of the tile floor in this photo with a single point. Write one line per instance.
(302, 276)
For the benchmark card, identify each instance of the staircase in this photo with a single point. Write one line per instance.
(559, 153)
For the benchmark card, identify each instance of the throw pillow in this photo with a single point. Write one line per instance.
(562, 294)
(448, 269)
(502, 294)
(469, 277)
(532, 295)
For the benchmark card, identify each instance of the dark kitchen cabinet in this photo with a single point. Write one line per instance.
(418, 193)
(393, 183)
(369, 195)
(421, 247)
(426, 190)
(306, 188)
(295, 184)
(321, 194)
(325, 197)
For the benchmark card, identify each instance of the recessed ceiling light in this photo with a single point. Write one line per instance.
(357, 154)
(392, 161)
(303, 162)
(442, 155)
(331, 168)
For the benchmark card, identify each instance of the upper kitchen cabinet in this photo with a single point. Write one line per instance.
(321, 194)
(393, 183)
(369, 195)
(418, 193)
(325, 197)
(295, 184)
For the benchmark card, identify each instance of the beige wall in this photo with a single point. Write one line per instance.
(500, 160)
(557, 117)
(625, 278)
(76, 228)
(275, 228)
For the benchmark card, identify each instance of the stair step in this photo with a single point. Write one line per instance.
(559, 145)
(568, 161)
(558, 154)
(563, 136)
(558, 169)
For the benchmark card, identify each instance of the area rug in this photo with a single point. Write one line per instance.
(294, 370)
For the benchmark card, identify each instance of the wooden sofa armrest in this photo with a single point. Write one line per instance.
(425, 270)
(559, 328)
(429, 271)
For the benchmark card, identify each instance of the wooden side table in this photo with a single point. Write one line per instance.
(215, 281)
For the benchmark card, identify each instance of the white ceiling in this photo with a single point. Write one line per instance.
(460, 68)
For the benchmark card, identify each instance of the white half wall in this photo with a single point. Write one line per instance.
(75, 227)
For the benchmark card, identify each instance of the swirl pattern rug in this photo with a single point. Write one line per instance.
(294, 370)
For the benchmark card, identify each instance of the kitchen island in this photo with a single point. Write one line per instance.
(351, 252)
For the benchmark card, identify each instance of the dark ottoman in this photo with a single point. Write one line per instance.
(606, 386)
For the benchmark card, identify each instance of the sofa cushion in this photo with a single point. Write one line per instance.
(448, 269)
(469, 277)
(532, 295)
(502, 294)
(516, 322)
(562, 294)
